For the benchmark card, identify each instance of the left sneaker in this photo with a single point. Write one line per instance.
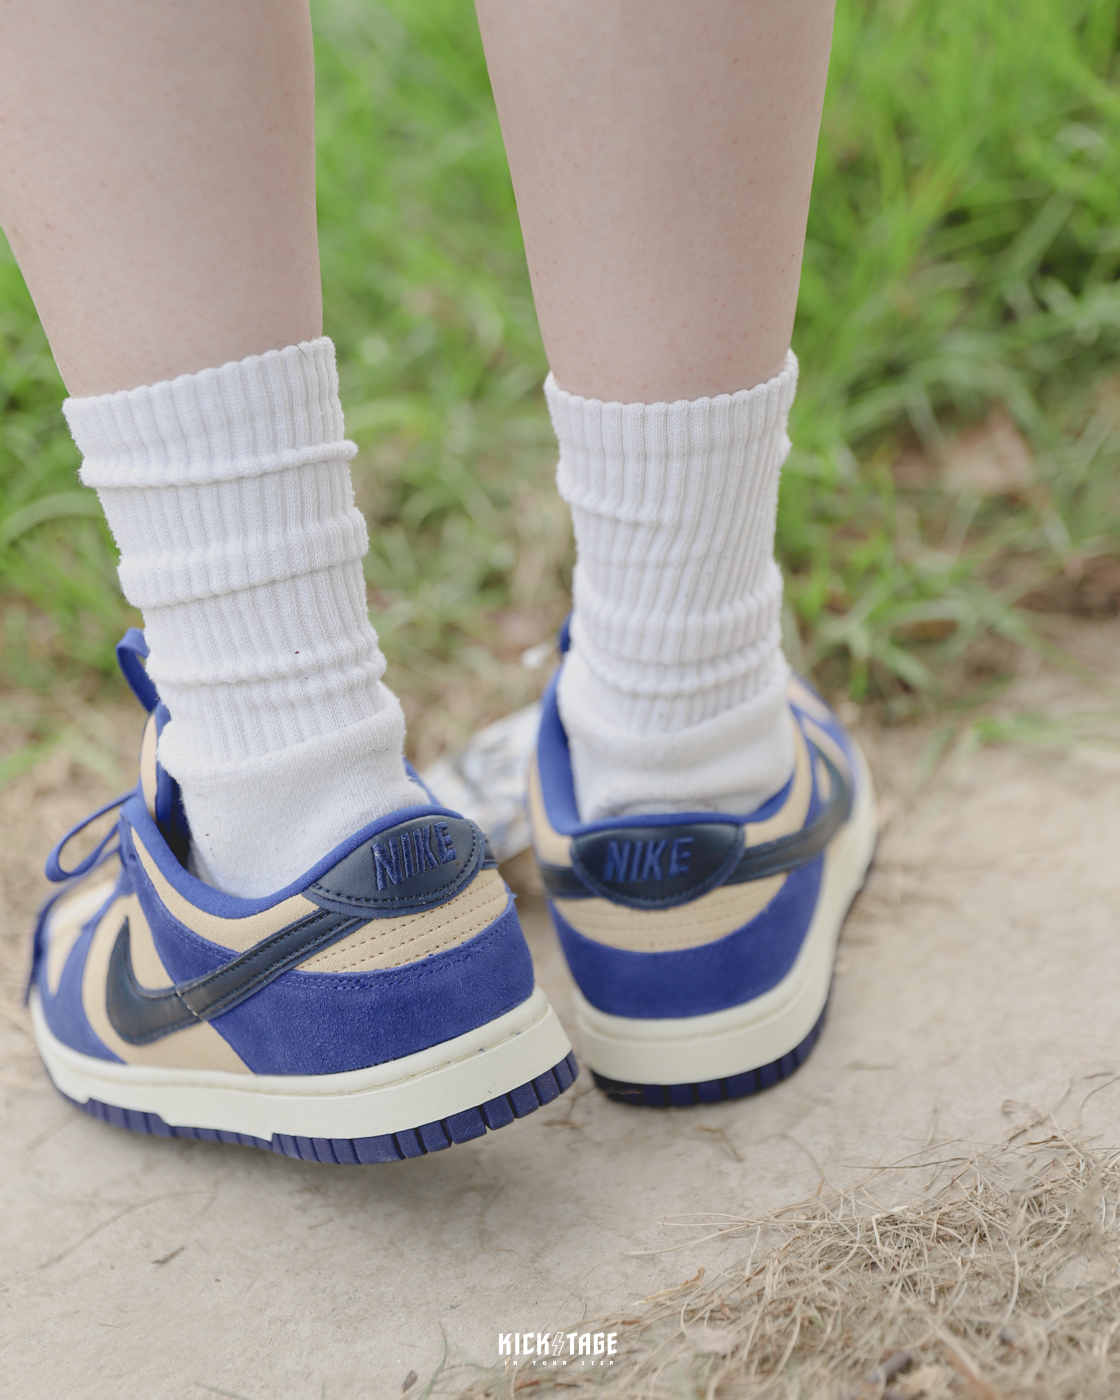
(702, 945)
(381, 1006)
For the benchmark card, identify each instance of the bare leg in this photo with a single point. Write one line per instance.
(662, 156)
(157, 181)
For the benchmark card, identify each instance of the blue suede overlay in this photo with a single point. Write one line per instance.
(327, 1022)
(554, 762)
(694, 981)
(323, 1022)
(64, 1012)
(39, 943)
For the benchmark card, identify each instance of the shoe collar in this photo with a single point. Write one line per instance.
(137, 825)
(558, 793)
(154, 815)
(660, 861)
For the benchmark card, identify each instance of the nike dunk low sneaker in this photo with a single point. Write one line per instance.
(702, 945)
(381, 1007)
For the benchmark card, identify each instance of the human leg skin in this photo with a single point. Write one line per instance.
(157, 181)
(662, 156)
(356, 988)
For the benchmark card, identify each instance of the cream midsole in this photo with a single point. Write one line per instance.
(387, 1098)
(692, 1049)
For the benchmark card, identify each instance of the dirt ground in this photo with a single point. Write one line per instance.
(977, 976)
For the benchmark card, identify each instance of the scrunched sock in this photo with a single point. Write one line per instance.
(229, 495)
(673, 694)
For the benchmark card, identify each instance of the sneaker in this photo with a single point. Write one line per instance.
(382, 1006)
(702, 945)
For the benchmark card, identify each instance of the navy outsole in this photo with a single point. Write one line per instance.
(736, 1086)
(389, 1147)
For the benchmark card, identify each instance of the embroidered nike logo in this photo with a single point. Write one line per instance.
(649, 860)
(140, 1015)
(427, 846)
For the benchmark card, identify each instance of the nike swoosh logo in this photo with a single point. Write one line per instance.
(140, 1015)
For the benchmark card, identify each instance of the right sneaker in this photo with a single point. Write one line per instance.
(382, 1006)
(702, 944)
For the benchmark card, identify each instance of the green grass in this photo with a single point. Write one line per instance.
(963, 256)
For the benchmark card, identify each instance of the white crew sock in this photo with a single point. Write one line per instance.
(228, 493)
(673, 692)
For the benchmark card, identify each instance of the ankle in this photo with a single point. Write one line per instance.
(674, 692)
(229, 495)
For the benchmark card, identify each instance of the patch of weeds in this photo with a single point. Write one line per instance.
(956, 462)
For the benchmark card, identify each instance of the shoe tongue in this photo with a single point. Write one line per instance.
(162, 794)
(160, 791)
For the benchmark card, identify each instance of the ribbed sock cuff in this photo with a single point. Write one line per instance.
(677, 598)
(249, 417)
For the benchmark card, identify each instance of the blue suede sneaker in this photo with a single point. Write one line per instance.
(382, 1006)
(702, 945)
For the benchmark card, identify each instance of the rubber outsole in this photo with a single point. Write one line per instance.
(736, 1086)
(389, 1147)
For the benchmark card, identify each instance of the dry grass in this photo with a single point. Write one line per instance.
(999, 1281)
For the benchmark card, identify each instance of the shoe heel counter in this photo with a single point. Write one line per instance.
(768, 925)
(328, 1022)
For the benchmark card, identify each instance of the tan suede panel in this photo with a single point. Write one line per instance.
(392, 942)
(197, 1047)
(148, 746)
(73, 910)
(550, 846)
(712, 916)
(791, 816)
(800, 694)
(236, 934)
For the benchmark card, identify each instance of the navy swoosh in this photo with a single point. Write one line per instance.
(140, 1015)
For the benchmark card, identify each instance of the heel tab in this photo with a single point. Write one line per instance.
(657, 867)
(132, 652)
(418, 864)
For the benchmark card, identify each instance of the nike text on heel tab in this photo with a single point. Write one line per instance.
(662, 866)
(409, 867)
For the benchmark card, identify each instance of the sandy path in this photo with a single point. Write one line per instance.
(979, 972)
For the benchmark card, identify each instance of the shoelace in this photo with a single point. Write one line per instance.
(54, 868)
(132, 652)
